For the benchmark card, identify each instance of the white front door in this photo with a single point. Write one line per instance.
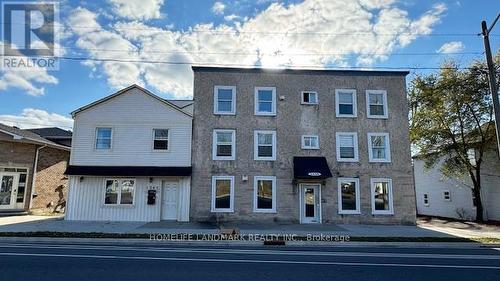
(169, 200)
(8, 190)
(310, 205)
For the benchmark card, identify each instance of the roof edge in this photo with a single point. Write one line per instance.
(298, 70)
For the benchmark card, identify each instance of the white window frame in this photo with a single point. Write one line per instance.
(358, 196)
(356, 149)
(256, 145)
(444, 195)
(391, 197)
(111, 138)
(387, 158)
(308, 103)
(426, 198)
(214, 145)
(154, 138)
(119, 197)
(216, 100)
(231, 196)
(303, 142)
(255, 197)
(354, 103)
(384, 98)
(256, 101)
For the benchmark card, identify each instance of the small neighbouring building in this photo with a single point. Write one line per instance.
(31, 172)
(131, 159)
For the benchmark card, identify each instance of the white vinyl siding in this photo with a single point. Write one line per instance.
(345, 103)
(347, 146)
(225, 100)
(379, 148)
(224, 145)
(376, 104)
(133, 116)
(265, 101)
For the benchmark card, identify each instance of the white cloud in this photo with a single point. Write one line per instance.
(451, 47)
(313, 32)
(218, 8)
(232, 17)
(37, 118)
(137, 9)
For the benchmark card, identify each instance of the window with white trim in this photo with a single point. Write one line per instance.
(119, 192)
(160, 139)
(265, 101)
(379, 148)
(225, 100)
(264, 194)
(349, 197)
(265, 145)
(347, 146)
(222, 194)
(224, 145)
(426, 199)
(103, 138)
(376, 104)
(309, 97)
(310, 142)
(345, 103)
(382, 199)
(446, 195)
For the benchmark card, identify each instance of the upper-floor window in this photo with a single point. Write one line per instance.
(119, 192)
(224, 145)
(103, 137)
(426, 199)
(379, 149)
(160, 139)
(382, 200)
(264, 200)
(265, 101)
(347, 147)
(309, 97)
(345, 103)
(376, 104)
(223, 194)
(310, 142)
(265, 145)
(225, 100)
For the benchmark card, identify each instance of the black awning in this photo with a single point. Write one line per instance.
(311, 168)
(128, 171)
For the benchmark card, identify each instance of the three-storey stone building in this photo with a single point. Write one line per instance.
(303, 146)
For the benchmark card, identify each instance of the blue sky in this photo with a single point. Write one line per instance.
(309, 33)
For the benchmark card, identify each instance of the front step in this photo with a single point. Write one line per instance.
(13, 213)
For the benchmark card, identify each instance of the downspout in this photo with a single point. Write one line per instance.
(34, 175)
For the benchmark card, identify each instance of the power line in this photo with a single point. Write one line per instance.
(250, 65)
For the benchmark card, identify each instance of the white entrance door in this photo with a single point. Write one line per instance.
(310, 206)
(169, 200)
(8, 190)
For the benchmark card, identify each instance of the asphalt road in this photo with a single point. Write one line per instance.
(160, 261)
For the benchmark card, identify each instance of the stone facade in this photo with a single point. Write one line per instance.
(51, 184)
(292, 120)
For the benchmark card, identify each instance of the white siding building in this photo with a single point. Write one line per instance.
(441, 196)
(131, 159)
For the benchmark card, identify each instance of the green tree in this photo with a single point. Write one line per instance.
(451, 121)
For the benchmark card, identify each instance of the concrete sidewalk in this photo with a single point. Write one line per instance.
(424, 228)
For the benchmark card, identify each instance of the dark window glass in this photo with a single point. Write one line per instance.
(265, 151)
(21, 188)
(264, 194)
(348, 196)
(309, 202)
(347, 152)
(345, 109)
(224, 150)
(376, 110)
(381, 196)
(127, 192)
(223, 194)
(111, 192)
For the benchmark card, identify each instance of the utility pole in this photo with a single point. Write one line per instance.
(492, 75)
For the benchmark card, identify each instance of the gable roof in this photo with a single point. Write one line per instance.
(122, 91)
(26, 135)
(52, 132)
